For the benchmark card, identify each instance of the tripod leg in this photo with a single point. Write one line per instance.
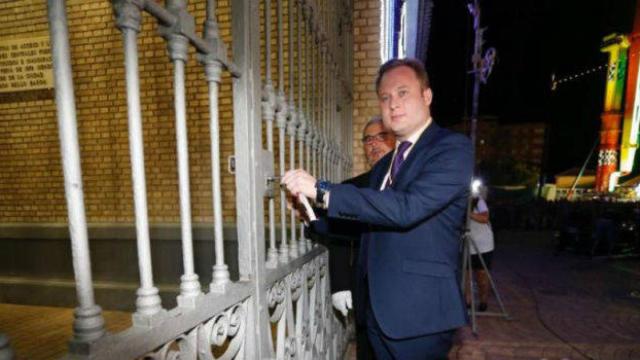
(490, 278)
(465, 260)
(495, 290)
(469, 271)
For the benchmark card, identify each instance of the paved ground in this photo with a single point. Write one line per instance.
(561, 307)
(43, 332)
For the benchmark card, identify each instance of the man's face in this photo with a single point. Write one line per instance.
(377, 141)
(404, 104)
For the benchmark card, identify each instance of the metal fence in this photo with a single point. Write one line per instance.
(280, 306)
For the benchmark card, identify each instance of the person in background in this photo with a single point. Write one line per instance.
(481, 235)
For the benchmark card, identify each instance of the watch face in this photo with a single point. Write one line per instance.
(323, 185)
(321, 188)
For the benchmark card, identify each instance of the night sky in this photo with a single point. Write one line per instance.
(534, 38)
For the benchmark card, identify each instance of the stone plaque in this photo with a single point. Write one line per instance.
(25, 64)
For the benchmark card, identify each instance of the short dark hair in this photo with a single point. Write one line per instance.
(414, 64)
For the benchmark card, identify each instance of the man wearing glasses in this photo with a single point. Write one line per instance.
(342, 238)
(377, 141)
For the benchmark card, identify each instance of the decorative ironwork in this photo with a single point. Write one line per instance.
(221, 337)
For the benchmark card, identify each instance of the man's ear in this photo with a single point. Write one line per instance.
(427, 95)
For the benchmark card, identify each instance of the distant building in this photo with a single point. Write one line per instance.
(523, 143)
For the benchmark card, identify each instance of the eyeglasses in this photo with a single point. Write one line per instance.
(379, 137)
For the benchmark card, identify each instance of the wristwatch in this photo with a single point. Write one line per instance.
(322, 187)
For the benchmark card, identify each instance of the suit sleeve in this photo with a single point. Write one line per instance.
(443, 178)
(340, 267)
(339, 242)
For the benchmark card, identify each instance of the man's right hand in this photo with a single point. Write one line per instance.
(300, 182)
(342, 302)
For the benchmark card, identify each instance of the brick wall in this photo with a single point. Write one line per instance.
(31, 181)
(366, 61)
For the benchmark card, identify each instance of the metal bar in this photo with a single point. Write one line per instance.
(302, 244)
(293, 245)
(88, 322)
(291, 129)
(284, 246)
(213, 69)
(267, 42)
(311, 121)
(168, 19)
(211, 10)
(6, 352)
(290, 53)
(281, 117)
(325, 115)
(332, 125)
(189, 285)
(148, 302)
(268, 101)
(272, 253)
(220, 275)
(316, 110)
(280, 49)
(163, 15)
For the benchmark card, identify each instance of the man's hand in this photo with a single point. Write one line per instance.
(342, 302)
(300, 182)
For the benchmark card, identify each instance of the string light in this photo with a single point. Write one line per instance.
(576, 76)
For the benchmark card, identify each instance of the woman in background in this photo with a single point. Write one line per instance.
(482, 237)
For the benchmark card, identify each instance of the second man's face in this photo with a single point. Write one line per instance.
(378, 141)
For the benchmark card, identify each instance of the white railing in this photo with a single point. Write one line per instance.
(6, 353)
(280, 306)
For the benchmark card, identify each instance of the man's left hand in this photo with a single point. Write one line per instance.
(300, 182)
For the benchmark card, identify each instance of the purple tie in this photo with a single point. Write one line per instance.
(398, 160)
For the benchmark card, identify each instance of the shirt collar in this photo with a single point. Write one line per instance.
(416, 135)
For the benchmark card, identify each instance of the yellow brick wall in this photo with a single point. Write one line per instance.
(366, 61)
(31, 182)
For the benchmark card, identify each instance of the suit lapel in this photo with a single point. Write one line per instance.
(424, 141)
(380, 170)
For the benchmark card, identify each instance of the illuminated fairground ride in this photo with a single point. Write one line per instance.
(624, 66)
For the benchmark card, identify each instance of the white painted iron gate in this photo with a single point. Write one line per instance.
(280, 307)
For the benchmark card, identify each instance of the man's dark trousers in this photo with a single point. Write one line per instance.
(430, 347)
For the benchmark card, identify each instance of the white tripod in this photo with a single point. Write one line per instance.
(467, 270)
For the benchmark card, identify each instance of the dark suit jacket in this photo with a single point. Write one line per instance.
(409, 256)
(342, 239)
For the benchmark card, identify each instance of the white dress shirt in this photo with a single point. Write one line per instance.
(413, 138)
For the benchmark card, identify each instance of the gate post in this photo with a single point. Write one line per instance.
(250, 174)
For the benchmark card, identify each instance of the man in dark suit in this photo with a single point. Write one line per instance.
(415, 208)
(342, 237)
